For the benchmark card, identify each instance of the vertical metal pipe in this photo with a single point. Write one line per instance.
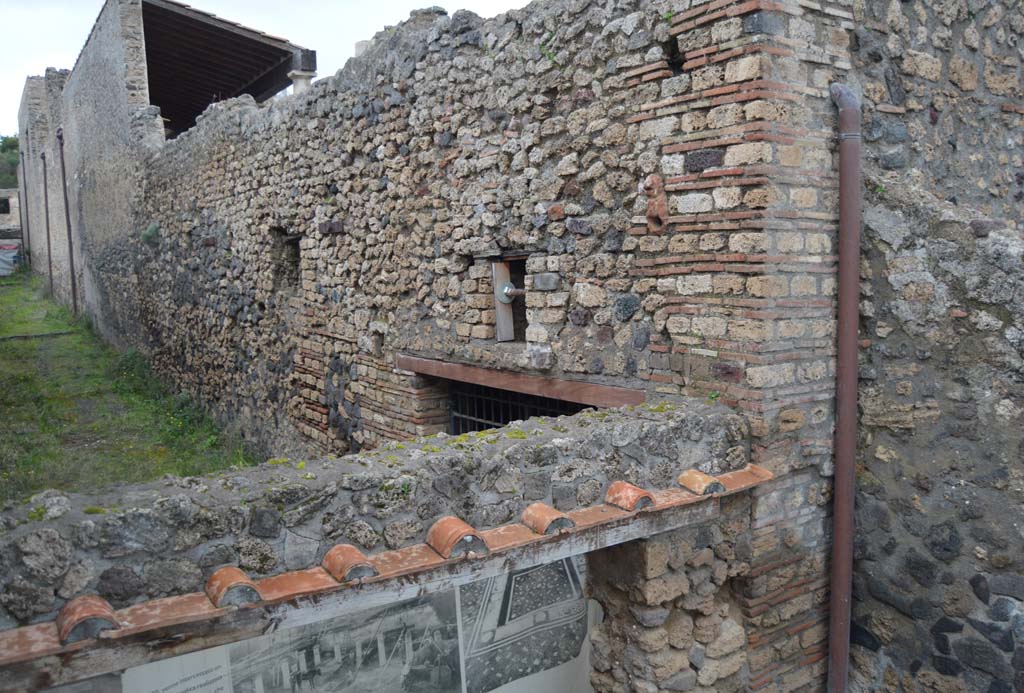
(28, 212)
(46, 212)
(67, 223)
(846, 387)
(21, 227)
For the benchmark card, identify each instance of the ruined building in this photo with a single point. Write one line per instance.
(618, 218)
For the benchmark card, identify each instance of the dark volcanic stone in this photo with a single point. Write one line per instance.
(947, 625)
(1002, 609)
(999, 636)
(999, 687)
(649, 616)
(217, 556)
(920, 568)
(941, 643)
(23, 600)
(265, 522)
(893, 159)
(979, 583)
(944, 541)
(579, 316)
(1010, 585)
(578, 226)
(980, 655)
(119, 584)
(859, 635)
(626, 306)
(947, 666)
(704, 158)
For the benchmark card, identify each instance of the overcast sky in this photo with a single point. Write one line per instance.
(49, 33)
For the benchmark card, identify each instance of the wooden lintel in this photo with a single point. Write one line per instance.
(567, 390)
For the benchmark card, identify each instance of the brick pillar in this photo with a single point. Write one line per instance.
(746, 278)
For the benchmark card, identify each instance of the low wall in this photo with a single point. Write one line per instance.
(166, 537)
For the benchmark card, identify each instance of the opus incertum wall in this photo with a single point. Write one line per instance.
(658, 177)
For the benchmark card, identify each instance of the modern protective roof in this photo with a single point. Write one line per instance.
(195, 58)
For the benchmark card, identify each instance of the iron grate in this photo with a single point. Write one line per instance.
(478, 408)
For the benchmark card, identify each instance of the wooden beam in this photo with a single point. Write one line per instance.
(567, 390)
(504, 323)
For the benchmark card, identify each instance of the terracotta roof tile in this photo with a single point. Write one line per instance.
(30, 642)
(625, 495)
(448, 540)
(159, 613)
(297, 583)
(411, 559)
(698, 482)
(229, 586)
(596, 515)
(451, 537)
(346, 563)
(84, 617)
(509, 537)
(543, 519)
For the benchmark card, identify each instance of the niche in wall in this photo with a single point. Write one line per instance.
(286, 258)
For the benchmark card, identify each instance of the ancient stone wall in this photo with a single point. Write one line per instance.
(939, 582)
(11, 221)
(147, 541)
(672, 622)
(938, 573)
(943, 89)
(101, 107)
(665, 174)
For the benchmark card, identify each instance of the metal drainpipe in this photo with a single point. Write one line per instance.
(28, 226)
(46, 211)
(846, 387)
(21, 227)
(67, 224)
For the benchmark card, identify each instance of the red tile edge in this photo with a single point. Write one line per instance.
(295, 584)
(229, 586)
(452, 537)
(696, 481)
(449, 539)
(346, 563)
(625, 495)
(543, 519)
(84, 617)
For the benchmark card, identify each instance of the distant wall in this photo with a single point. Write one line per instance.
(102, 107)
(10, 222)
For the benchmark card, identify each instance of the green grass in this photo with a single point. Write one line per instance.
(77, 415)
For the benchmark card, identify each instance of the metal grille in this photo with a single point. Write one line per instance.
(478, 408)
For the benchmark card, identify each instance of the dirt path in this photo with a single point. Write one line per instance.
(76, 415)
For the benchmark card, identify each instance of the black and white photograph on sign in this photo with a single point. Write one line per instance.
(521, 624)
(409, 647)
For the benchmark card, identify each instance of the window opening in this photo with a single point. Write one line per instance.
(509, 278)
(478, 408)
(5, 205)
(286, 258)
(673, 57)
